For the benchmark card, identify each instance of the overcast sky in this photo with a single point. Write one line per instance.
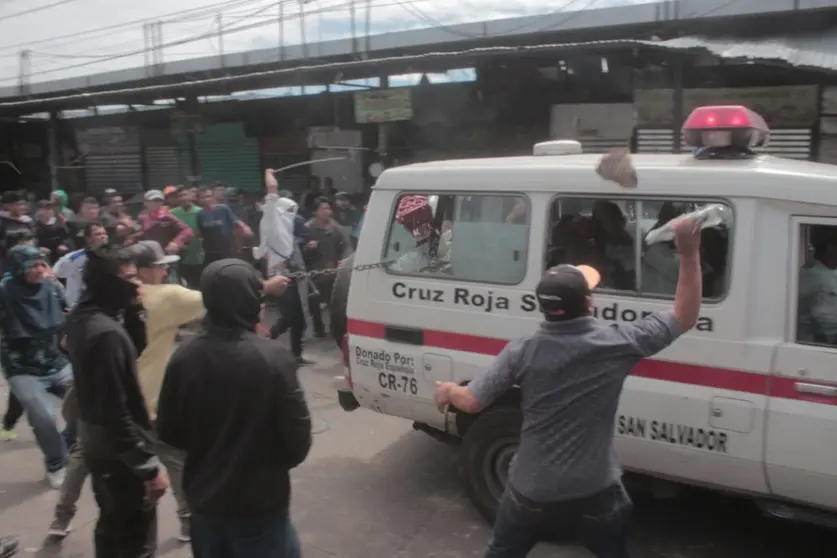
(110, 28)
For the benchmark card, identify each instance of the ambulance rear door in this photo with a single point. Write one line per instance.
(801, 445)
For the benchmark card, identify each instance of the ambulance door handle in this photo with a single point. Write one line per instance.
(816, 389)
(516, 255)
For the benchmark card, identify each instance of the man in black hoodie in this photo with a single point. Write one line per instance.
(232, 401)
(114, 426)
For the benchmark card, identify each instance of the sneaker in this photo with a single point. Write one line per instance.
(302, 361)
(6, 435)
(59, 528)
(185, 530)
(8, 546)
(56, 478)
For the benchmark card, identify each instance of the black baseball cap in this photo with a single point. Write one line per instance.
(564, 289)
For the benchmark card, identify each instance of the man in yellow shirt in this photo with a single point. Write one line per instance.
(167, 307)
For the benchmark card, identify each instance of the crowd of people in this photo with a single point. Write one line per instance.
(221, 419)
(91, 303)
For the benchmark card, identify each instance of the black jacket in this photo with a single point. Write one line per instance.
(51, 236)
(114, 422)
(232, 401)
(333, 245)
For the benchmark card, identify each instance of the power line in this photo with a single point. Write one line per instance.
(98, 57)
(416, 12)
(115, 28)
(33, 10)
(108, 58)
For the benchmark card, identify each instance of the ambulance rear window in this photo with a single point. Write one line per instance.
(609, 235)
(468, 237)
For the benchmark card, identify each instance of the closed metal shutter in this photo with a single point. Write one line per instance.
(228, 156)
(787, 143)
(654, 141)
(602, 145)
(790, 144)
(121, 171)
(113, 159)
(163, 166)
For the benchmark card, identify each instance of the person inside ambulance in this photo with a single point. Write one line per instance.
(818, 290)
(616, 244)
(659, 261)
(518, 215)
(415, 213)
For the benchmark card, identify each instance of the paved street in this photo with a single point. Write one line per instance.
(373, 488)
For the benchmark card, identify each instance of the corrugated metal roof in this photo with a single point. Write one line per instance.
(809, 50)
(813, 50)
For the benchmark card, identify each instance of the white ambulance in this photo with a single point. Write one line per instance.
(745, 403)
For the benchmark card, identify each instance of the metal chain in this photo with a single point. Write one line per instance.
(317, 273)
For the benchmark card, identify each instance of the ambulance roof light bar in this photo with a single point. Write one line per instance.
(728, 130)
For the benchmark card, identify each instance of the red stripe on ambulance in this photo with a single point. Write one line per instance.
(668, 371)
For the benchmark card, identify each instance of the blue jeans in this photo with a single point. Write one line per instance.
(599, 522)
(213, 538)
(33, 392)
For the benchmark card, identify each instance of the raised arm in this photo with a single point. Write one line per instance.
(687, 296)
(652, 334)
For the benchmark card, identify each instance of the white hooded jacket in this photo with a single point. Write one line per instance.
(276, 230)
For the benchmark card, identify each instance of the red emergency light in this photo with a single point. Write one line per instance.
(730, 126)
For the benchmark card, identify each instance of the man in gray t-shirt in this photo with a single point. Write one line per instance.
(570, 374)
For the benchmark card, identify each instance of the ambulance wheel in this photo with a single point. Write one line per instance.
(488, 447)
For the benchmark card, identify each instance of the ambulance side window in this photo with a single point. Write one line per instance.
(609, 235)
(816, 321)
(473, 237)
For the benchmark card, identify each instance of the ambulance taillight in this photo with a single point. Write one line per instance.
(729, 126)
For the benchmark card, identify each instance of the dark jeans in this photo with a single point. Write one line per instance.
(291, 318)
(599, 522)
(191, 273)
(324, 287)
(127, 524)
(14, 410)
(212, 538)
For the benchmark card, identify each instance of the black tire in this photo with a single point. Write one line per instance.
(487, 449)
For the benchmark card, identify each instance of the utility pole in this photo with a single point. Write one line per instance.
(219, 20)
(148, 45)
(282, 30)
(368, 23)
(24, 71)
(159, 28)
(353, 17)
(302, 28)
